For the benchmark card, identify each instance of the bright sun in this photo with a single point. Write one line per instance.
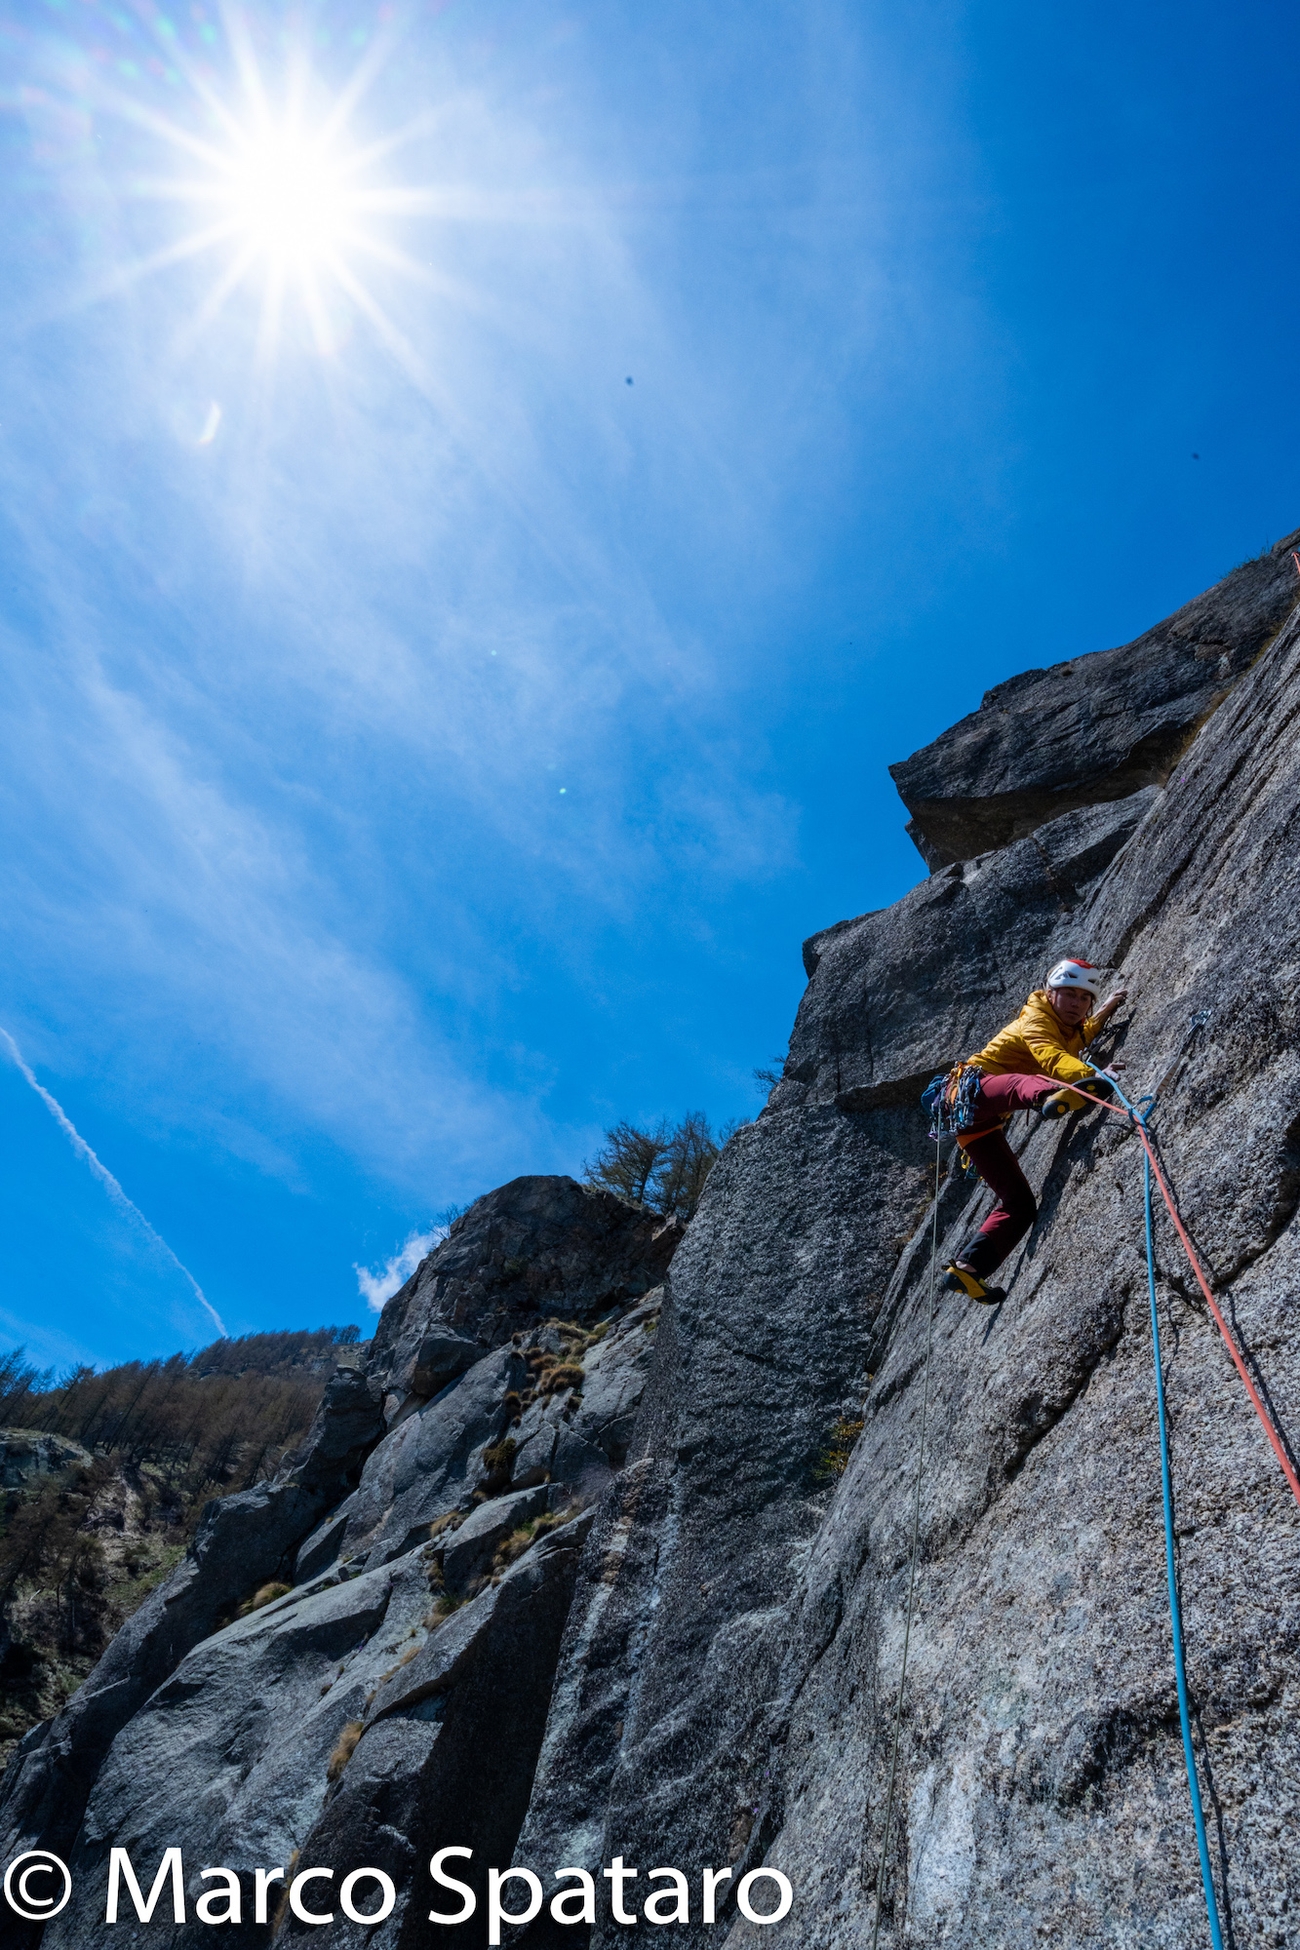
(288, 198)
(284, 198)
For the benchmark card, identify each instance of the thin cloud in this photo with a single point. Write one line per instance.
(375, 1288)
(104, 1175)
(319, 681)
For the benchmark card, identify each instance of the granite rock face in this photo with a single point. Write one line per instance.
(901, 994)
(25, 1453)
(538, 1247)
(242, 1542)
(1041, 1788)
(228, 1758)
(1096, 728)
(411, 1585)
(728, 1685)
(606, 1557)
(448, 1751)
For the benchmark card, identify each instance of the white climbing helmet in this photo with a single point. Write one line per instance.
(1075, 975)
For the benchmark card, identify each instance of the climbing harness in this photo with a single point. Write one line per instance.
(911, 1575)
(950, 1100)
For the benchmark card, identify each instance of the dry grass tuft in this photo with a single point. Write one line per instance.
(443, 1608)
(518, 1541)
(834, 1459)
(265, 1594)
(343, 1752)
(568, 1375)
(277, 1918)
(498, 1462)
(513, 1546)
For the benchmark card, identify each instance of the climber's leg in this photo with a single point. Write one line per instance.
(998, 1095)
(1016, 1208)
(996, 1164)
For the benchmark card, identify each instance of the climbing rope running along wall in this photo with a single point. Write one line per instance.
(1171, 1565)
(1138, 1114)
(1153, 1163)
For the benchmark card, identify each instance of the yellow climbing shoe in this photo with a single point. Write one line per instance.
(961, 1280)
(1060, 1104)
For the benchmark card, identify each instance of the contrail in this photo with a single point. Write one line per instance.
(106, 1178)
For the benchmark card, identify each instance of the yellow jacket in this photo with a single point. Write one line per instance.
(1038, 1044)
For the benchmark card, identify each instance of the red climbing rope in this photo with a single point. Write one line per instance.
(1266, 1419)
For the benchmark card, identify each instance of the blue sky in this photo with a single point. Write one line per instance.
(422, 746)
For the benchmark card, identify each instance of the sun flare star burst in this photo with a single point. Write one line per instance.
(281, 195)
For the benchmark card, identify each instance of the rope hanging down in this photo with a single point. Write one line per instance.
(1137, 1113)
(1139, 1116)
(1153, 1165)
(911, 1576)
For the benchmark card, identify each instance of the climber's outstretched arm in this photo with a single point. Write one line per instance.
(1107, 1009)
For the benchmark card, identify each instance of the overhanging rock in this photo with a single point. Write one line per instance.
(1096, 728)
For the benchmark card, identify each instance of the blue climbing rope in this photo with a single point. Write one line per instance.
(1139, 1113)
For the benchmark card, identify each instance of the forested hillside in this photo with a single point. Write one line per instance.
(103, 1475)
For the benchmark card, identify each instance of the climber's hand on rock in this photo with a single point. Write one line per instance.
(1114, 999)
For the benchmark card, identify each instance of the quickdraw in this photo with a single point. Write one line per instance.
(950, 1100)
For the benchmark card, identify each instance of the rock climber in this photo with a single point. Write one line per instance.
(1023, 1068)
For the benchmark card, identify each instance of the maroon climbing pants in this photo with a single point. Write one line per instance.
(996, 1163)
